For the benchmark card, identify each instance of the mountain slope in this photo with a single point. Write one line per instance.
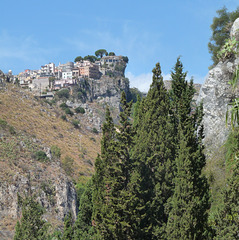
(37, 151)
(43, 123)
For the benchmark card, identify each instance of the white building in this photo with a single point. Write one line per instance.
(48, 69)
(67, 75)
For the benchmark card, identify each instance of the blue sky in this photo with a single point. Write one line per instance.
(33, 33)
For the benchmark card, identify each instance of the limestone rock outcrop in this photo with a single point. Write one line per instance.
(216, 94)
(110, 89)
(53, 190)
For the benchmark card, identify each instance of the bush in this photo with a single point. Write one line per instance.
(56, 151)
(63, 106)
(63, 117)
(69, 112)
(80, 110)
(41, 156)
(3, 123)
(63, 93)
(12, 130)
(94, 130)
(228, 50)
(75, 123)
(125, 59)
(67, 165)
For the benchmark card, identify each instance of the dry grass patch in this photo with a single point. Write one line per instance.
(41, 121)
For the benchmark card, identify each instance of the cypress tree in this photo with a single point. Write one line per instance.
(112, 216)
(32, 225)
(83, 228)
(153, 156)
(103, 166)
(68, 233)
(190, 202)
(181, 95)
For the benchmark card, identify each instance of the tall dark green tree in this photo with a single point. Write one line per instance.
(190, 201)
(221, 27)
(153, 155)
(83, 228)
(181, 95)
(32, 225)
(103, 165)
(188, 218)
(111, 215)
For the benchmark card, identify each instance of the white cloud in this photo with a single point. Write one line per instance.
(143, 81)
(197, 78)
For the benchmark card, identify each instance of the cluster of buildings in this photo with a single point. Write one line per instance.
(52, 77)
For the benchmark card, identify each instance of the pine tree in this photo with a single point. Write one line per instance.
(31, 226)
(153, 155)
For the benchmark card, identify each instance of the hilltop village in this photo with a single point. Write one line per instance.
(51, 77)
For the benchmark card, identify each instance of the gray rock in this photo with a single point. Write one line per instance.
(54, 191)
(235, 30)
(216, 94)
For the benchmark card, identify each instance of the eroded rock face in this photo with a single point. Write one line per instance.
(53, 190)
(109, 88)
(57, 194)
(216, 94)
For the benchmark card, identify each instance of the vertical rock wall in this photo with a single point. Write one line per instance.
(216, 94)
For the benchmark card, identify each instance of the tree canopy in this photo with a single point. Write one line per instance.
(221, 31)
(111, 54)
(78, 59)
(101, 52)
(91, 58)
(125, 59)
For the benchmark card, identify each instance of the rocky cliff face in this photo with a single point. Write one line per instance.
(109, 88)
(53, 190)
(21, 173)
(99, 93)
(215, 94)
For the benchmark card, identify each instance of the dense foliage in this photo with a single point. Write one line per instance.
(32, 225)
(101, 52)
(221, 31)
(148, 169)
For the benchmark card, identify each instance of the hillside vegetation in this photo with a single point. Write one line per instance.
(43, 123)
